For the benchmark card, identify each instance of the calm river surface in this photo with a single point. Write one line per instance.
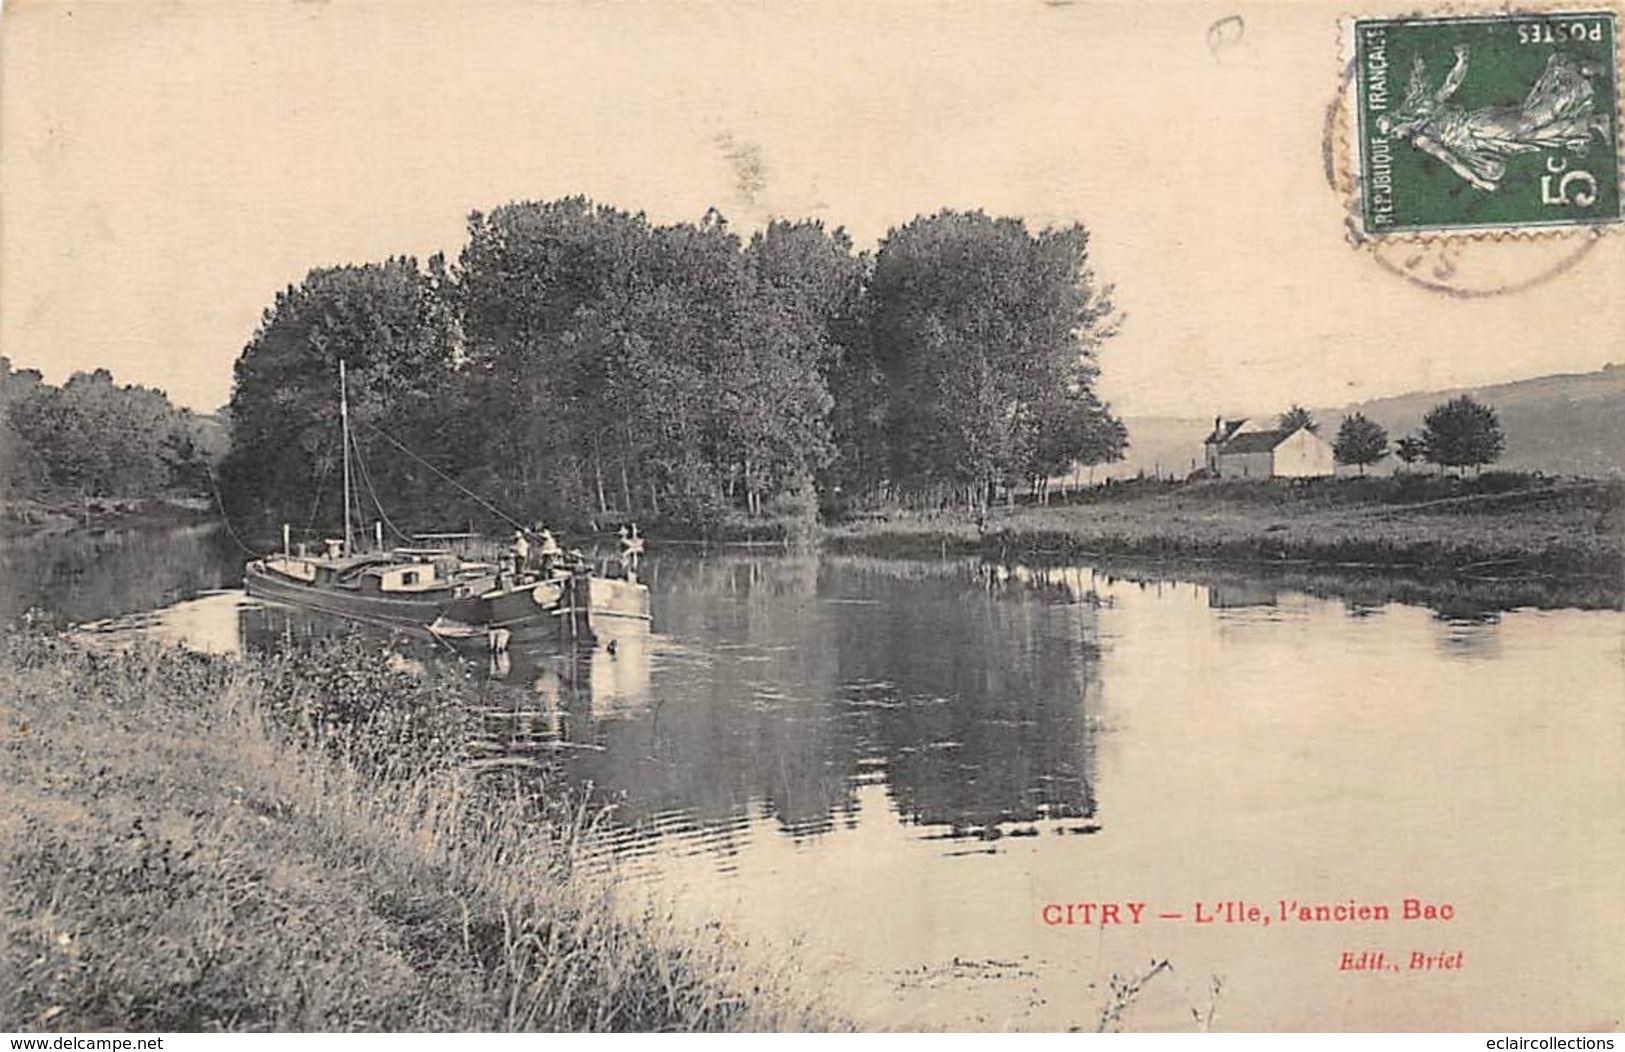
(910, 769)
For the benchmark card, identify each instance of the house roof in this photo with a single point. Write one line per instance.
(1256, 441)
(1223, 432)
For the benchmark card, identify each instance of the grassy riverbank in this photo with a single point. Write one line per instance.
(196, 843)
(1497, 524)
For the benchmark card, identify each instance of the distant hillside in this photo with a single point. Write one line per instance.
(1160, 445)
(1570, 424)
(212, 433)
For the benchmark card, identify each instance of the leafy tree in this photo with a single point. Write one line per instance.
(1360, 441)
(813, 272)
(979, 327)
(1462, 432)
(20, 462)
(561, 309)
(1077, 429)
(815, 275)
(190, 450)
(624, 368)
(389, 324)
(93, 437)
(586, 364)
(1297, 417)
(1411, 449)
(772, 425)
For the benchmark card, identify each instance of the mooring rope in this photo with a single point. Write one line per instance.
(221, 505)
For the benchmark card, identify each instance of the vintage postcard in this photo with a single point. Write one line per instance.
(940, 515)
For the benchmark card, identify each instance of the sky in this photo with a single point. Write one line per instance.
(166, 167)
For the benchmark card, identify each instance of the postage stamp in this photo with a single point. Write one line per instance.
(1494, 122)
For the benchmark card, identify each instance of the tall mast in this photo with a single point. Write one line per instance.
(344, 418)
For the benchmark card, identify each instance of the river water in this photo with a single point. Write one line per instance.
(931, 778)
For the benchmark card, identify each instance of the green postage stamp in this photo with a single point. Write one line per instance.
(1492, 122)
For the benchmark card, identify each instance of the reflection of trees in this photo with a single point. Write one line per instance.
(750, 578)
(1472, 635)
(271, 628)
(787, 682)
(784, 683)
(742, 720)
(88, 576)
(977, 702)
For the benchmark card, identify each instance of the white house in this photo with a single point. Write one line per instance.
(1237, 451)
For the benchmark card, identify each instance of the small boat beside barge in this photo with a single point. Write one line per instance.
(572, 605)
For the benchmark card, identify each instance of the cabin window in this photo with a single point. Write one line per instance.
(409, 577)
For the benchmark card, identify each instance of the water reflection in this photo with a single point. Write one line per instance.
(1233, 595)
(890, 758)
(89, 575)
(1367, 590)
(815, 678)
(1473, 636)
(557, 697)
(777, 688)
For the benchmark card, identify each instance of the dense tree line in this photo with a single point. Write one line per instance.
(581, 364)
(391, 325)
(94, 438)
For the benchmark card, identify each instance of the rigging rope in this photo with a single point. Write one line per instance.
(220, 504)
(481, 501)
(316, 502)
(366, 478)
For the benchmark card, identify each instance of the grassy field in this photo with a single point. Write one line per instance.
(196, 843)
(1494, 525)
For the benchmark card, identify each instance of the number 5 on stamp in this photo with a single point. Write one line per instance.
(1494, 122)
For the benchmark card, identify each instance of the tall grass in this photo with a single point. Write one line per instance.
(294, 843)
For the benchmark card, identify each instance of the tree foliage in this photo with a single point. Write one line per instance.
(1462, 432)
(92, 437)
(390, 325)
(986, 337)
(1411, 449)
(1298, 417)
(628, 369)
(581, 364)
(1360, 441)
